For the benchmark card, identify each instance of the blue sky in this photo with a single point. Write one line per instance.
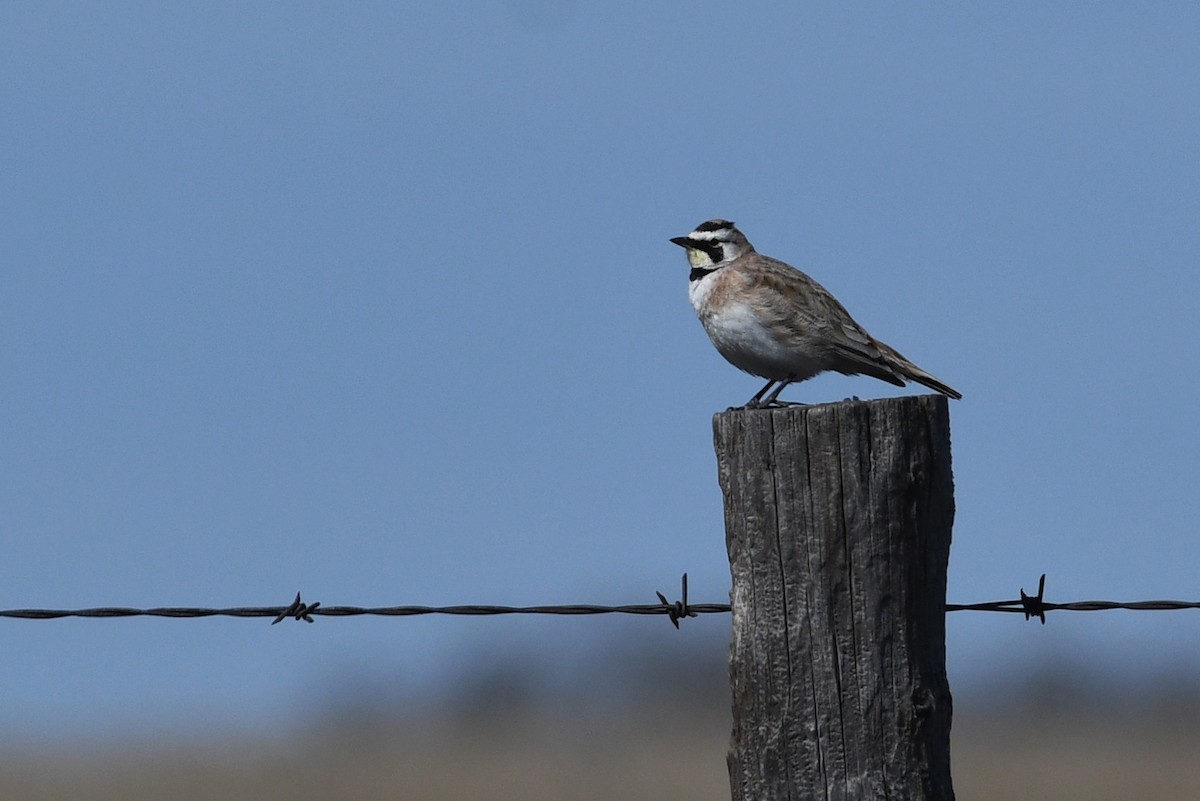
(376, 302)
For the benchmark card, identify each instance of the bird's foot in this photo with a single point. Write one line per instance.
(775, 404)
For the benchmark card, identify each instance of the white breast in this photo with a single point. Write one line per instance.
(745, 340)
(700, 290)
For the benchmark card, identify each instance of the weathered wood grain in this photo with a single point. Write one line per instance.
(838, 523)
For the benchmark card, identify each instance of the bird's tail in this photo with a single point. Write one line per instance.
(910, 371)
(922, 377)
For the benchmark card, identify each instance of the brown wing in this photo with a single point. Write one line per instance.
(816, 318)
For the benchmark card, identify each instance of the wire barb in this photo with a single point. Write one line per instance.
(1035, 606)
(298, 610)
(680, 609)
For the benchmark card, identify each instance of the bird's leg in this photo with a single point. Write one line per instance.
(754, 402)
(772, 399)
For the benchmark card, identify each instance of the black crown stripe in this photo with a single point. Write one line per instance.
(714, 225)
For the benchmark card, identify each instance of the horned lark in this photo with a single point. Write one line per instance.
(773, 321)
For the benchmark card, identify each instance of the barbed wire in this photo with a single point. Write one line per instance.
(1037, 606)
(298, 609)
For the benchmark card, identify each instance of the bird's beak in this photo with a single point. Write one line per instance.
(684, 242)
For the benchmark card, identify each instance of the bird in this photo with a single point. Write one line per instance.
(773, 321)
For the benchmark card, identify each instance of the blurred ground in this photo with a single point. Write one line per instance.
(659, 755)
(1056, 735)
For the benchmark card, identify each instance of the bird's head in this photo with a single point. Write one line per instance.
(714, 244)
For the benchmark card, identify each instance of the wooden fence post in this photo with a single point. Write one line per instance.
(837, 522)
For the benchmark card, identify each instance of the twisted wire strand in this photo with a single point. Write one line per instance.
(1030, 606)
